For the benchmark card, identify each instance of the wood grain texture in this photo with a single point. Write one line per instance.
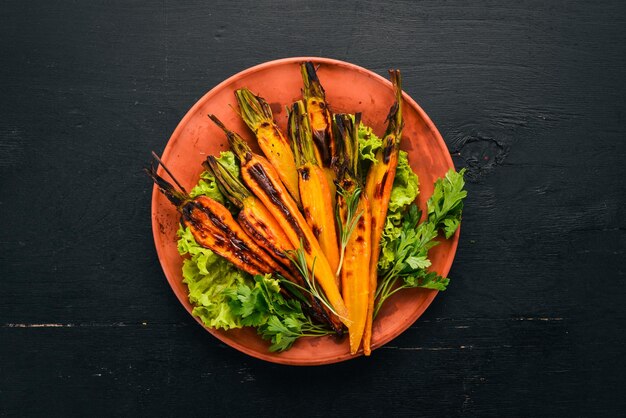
(528, 95)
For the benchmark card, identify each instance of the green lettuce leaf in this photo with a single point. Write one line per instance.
(404, 192)
(405, 185)
(209, 277)
(369, 143)
(208, 187)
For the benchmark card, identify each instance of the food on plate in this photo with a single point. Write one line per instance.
(262, 178)
(257, 114)
(312, 238)
(378, 190)
(261, 225)
(354, 218)
(315, 192)
(214, 227)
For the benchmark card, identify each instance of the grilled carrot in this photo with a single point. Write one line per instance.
(261, 225)
(315, 192)
(253, 216)
(257, 114)
(355, 225)
(378, 190)
(265, 183)
(213, 227)
(355, 274)
(223, 220)
(320, 120)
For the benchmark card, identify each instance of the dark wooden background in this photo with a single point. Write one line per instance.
(531, 94)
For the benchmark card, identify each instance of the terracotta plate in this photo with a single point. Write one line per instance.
(349, 88)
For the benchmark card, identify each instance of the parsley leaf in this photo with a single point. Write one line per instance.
(277, 319)
(427, 280)
(282, 334)
(407, 253)
(445, 206)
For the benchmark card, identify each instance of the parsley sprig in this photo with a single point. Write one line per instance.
(276, 318)
(410, 265)
(445, 206)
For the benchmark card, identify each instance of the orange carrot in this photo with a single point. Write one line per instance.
(316, 195)
(257, 114)
(378, 190)
(355, 274)
(320, 121)
(213, 227)
(262, 179)
(253, 216)
(354, 217)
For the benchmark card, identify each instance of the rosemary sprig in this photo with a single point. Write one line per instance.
(298, 259)
(351, 200)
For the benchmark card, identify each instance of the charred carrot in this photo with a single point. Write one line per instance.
(214, 228)
(354, 217)
(316, 195)
(257, 114)
(355, 274)
(261, 225)
(378, 190)
(264, 182)
(224, 221)
(320, 120)
(253, 216)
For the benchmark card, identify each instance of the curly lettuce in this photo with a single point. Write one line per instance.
(207, 185)
(209, 277)
(404, 192)
(369, 143)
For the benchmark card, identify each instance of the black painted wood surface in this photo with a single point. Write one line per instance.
(528, 94)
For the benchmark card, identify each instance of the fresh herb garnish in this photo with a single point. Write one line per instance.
(298, 259)
(410, 249)
(277, 319)
(445, 206)
(351, 199)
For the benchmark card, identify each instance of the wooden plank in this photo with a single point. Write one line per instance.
(528, 95)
